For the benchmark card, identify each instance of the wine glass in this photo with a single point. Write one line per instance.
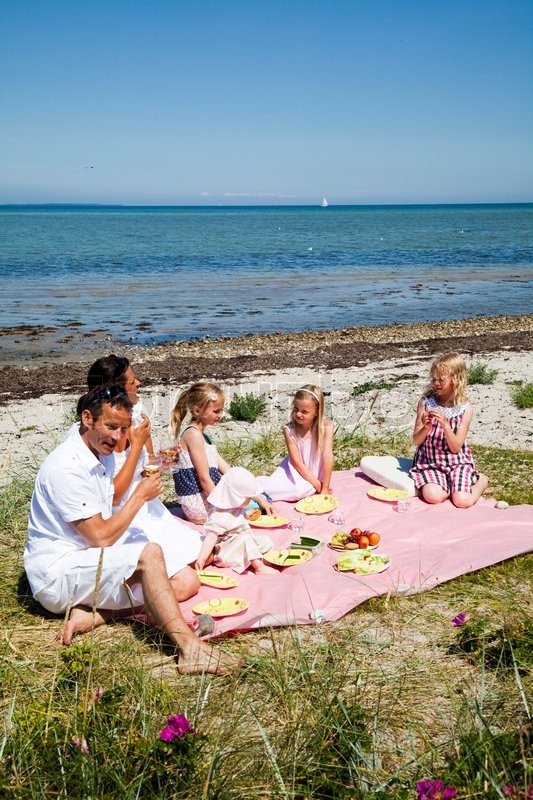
(152, 464)
(169, 456)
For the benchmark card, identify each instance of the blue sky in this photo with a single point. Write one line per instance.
(266, 101)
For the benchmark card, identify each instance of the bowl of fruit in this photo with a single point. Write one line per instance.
(356, 539)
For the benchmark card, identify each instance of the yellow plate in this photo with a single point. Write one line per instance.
(217, 580)
(287, 557)
(388, 495)
(221, 607)
(372, 564)
(265, 521)
(317, 504)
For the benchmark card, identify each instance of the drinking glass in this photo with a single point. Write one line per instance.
(152, 464)
(403, 505)
(337, 516)
(169, 457)
(297, 525)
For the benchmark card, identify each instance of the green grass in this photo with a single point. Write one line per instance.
(370, 386)
(522, 395)
(480, 373)
(362, 708)
(247, 407)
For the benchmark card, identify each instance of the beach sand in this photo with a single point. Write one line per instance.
(37, 398)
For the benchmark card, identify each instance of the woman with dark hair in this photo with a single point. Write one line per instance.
(126, 461)
(118, 371)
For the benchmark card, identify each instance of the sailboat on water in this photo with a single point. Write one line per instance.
(324, 203)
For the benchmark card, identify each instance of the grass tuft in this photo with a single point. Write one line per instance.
(370, 386)
(522, 395)
(247, 407)
(480, 373)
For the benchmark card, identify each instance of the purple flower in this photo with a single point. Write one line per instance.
(176, 727)
(459, 620)
(434, 790)
(508, 789)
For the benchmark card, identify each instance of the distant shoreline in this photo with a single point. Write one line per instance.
(223, 205)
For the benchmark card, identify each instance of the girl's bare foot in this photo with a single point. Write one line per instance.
(260, 568)
(199, 657)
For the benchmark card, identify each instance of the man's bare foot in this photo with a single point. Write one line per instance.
(82, 620)
(198, 657)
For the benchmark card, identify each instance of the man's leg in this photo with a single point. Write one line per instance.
(194, 655)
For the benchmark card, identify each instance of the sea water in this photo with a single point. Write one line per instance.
(156, 274)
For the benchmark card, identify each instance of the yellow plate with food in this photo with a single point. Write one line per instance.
(217, 580)
(362, 562)
(287, 557)
(317, 504)
(268, 521)
(221, 607)
(387, 495)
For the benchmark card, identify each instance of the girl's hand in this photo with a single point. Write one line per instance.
(438, 416)
(326, 490)
(199, 564)
(265, 505)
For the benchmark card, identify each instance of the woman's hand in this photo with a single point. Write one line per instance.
(140, 434)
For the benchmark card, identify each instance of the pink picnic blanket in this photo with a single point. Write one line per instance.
(427, 546)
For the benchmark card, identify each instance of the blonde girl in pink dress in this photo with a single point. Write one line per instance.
(443, 465)
(309, 464)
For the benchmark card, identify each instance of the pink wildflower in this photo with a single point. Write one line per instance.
(80, 744)
(176, 727)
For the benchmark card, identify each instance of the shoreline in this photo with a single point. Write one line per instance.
(230, 358)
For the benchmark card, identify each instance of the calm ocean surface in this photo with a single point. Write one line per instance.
(154, 274)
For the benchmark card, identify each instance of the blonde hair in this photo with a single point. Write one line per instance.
(198, 395)
(315, 393)
(454, 365)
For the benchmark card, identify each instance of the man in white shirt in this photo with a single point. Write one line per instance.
(79, 557)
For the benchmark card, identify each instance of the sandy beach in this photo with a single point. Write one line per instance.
(37, 401)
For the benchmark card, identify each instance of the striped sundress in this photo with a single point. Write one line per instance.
(435, 463)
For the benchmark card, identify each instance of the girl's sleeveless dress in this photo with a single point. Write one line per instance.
(286, 483)
(434, 462)
(191, 497)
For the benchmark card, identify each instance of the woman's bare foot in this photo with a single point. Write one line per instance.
(199, 657)
(82, 620)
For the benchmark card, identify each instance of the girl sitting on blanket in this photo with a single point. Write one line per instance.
(309, 438)
(200, 467)
(228, 534)
(443, 465)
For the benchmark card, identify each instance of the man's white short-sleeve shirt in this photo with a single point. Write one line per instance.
(72, 484)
